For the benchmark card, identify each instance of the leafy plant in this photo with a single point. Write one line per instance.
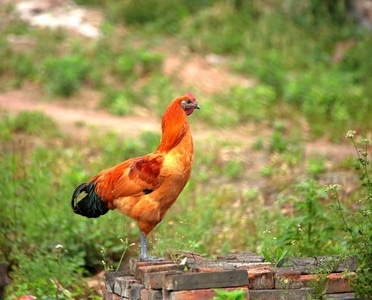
(35, 123)
(229, 295)
(117, 102)
(309, 230)
(316, 166)
(64, 75)
(107, 266)
(320, 284)
(274, 257)
(358, 225)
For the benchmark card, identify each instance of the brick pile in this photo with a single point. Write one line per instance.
(196, 278)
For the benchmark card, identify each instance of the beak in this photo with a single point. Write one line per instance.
(197, 106)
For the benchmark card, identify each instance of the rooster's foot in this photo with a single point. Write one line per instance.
(151, 259)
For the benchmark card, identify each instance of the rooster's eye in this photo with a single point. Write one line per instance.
(188, 101)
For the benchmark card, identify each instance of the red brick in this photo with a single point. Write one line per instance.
(134, 264)
(287, 278)
(295, 294)
(261, 278)
(337, 282)
(110, 296)
(155, 280)
(123, 285)
(206, 268)
(196, 280)
(168, 281)
(156, 268)
(106, 295)
(151, 294)
(135, 291)
(203, 294)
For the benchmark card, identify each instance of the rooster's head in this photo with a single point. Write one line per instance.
(189, 103)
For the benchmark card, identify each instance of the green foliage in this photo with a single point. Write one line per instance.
(229, 295)
(298, 74)
(24, 47)
(165, 16)
(297, 79)
(274, 256)
(220, 19)
(35, 123)
(234, 169)
(136, 63)
(126, 245)
(310, 230)
(298, 65)
(30, 230)
(37, 178)
(358, 225)
(51, 248)
(328, 98)
(316, 166)
(319, 285)
(63, 76)
(117, 102)
(240, 105)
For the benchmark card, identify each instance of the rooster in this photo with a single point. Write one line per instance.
(144, 188)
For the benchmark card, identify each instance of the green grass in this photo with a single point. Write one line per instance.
(46, 241)
(295, 70)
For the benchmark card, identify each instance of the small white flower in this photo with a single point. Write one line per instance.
(350, 134)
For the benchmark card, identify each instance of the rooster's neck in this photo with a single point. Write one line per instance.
(174, 127)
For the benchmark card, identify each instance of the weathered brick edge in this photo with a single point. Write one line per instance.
(166, 280)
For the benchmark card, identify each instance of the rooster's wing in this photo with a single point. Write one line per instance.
(130, 178)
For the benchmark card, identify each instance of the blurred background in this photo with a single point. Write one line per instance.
(83, 85)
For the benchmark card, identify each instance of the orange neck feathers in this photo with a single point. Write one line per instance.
(174, 125)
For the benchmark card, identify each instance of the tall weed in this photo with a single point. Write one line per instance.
(358, 224)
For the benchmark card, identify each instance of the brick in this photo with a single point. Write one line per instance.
(207, 268)
(110, 279)
(140, 275)
(123, 285)
(241, 257)
(261, 278)
(135, 291)
(294, 294)
(307, 265)
(135, 264)
(193, 281)
(202, 294)
(111, 296)
(149, 294)
(337, 283)
(218, 266)
(107, 295)
(168, 281)
(342, 296)
(287, 278)
(155, 280)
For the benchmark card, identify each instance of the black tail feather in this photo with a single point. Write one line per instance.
(91, 205)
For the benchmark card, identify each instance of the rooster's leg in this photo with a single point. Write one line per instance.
(144, 256)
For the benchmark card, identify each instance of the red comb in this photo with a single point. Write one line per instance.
(191, 95)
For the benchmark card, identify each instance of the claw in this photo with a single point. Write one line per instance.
(151, 259)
